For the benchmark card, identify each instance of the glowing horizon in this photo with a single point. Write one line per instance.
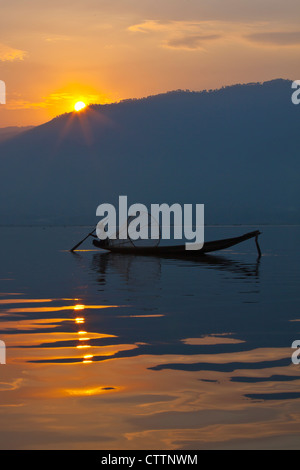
(120, 52)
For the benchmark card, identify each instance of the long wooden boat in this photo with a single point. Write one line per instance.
(178, 250)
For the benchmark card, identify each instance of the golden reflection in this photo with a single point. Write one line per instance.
(58, 342)
(91, 391)
(24, 325)
(38, 339)
(57, 309)
(211, 340)
(79, 307)
(88, 359)
(24, 301)
(170, 409)
(253, 356)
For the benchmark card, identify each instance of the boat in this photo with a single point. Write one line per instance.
(177, 250)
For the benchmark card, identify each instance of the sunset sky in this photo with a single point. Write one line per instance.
(55, 53)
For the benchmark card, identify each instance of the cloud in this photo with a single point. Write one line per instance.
(8, 54)
(14, 104)
(276, 38)
(195, 35)
(184, 35)
(191, 42)
(229, 10)
(152, 26)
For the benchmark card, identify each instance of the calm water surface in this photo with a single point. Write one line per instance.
(122, 352)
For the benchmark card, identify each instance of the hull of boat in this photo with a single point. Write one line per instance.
(179, 250)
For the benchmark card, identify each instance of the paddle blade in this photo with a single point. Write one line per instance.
(78, 244)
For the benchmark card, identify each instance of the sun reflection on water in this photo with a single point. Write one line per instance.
(40, 345)
(186, 366)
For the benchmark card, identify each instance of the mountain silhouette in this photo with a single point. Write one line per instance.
(234, 149)
(11, 131)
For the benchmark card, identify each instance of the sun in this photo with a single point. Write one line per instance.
(79, 106)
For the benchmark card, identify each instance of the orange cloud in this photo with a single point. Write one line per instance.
(188, 35)
(9, 54)
(196, 35)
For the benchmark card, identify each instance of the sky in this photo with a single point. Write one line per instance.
(55, 53)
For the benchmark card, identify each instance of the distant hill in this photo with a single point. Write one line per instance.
(9, 132)
(235, 149)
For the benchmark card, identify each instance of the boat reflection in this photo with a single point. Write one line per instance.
(172, 302)
(130, 266)
(163, 323)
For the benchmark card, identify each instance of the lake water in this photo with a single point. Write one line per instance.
(123, 352)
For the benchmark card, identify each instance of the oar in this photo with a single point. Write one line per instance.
(257, 246)
(78, 244)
